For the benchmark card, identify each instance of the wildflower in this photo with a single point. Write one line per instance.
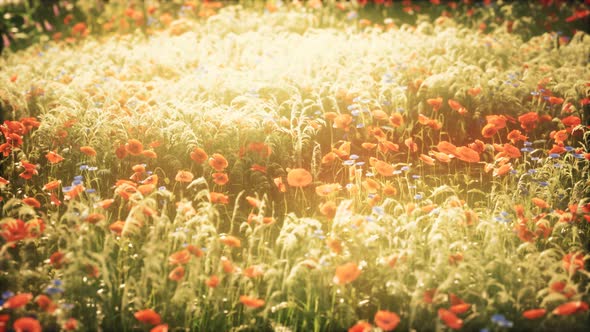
(456, 106)
(528, 121)
(501, 321)
(180, 257)
(342, 121)
(328, 209)
(227, 265)
(571, 121)
(149, 154)
(213, 281)
(540, 203)
(117, 227)
(474, 91)
(32, 201)
(570, 308)
(396, 119)
(199, 155)
(231, 241)
(361, 326)
(254, 271)
(251, 302)
(53, 157)
(335, 245)
(427, 160)
(184, 176)
(299, 177)
(45, 303)
(346, 273)
(18, 301)
(489, 130)
(148, 316)
(71, 324)
(534, 313)
(87, 150)
(26, 324)
(218, 162)
(573, 262)
(382, 167)
(57, 259)
(450, 319)
(515, 136)
(446, 147)
(386, 320)
(436, 103)
(52, 185)
(220, 178)
(327, 189)
(253, 201)
(218, 198)
(194, 250)
(134, 147)
(160, 328)
(177, 273)
(467, 154)
(14, 230)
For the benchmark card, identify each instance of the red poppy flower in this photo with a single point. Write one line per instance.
(18, 301)
(32, 201)
(219, 198)
(218, 162)
(231, 241)
(386, 320)
(489, 130)
(534, 313)
(71, 324)
(180, 257)
(213, 281)
(570, 308)
(184, 176)
(53, 157)
(160, 328)
(450, 319)
(436, 103)
(467, 154)
(251, 302)
(346, 273)
(26, 324)
(88, 150)
(14, 230)
(361, 326)
(220, 178)
(573, 262)
(396, 119)
(45, 303)
(528, 121)
(148, 316)
(199, 155)
(299, 177)
(134, 147)
(177, 273)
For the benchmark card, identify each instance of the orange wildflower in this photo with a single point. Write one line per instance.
(396, 119)
(213, 281)
(382, 167)
(18, 301)
(32, 201)
(489, 130)
(528, 121)
(299, 177)
(148, 316)
(342, 121)
(149, 154)
(361, 326)
(177, 273)
(515, 136)
(134, 147)
(87, 150)
(446, 147)
(386, 320)
(346, 273)
(251, 302)
(53, 157)
(450, 319)
(328, 209)
(534, 313)
(27, 324)
(436, 103)
(220, 178)
(540, 203)
(180, 257)
(327, 189)
(254, 271)
(231, 241)
(570, 308)
(219, 198)
(117, 227)
(218, 162)
(467, 154)
(199, 155)
(184, 176)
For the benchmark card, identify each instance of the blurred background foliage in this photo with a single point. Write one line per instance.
(25, 22)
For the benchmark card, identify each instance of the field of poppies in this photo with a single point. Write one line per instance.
(277, 166)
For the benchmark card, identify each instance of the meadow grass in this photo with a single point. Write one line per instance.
(274, 93)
